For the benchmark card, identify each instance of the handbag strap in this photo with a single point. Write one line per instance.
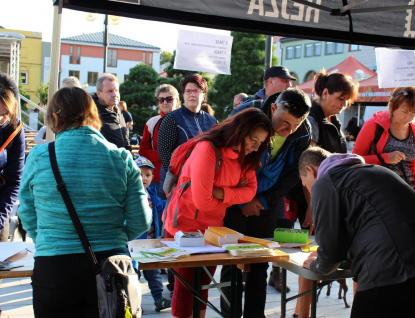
(13, 134)
(71, 209)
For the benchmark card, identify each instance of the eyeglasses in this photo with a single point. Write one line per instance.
(404, 93)
(168, 99)
(193, 91)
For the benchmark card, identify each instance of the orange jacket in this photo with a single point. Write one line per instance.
(197, 208)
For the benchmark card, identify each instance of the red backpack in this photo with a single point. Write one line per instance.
(178, 159)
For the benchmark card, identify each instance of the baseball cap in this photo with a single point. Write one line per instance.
(144, 162)
(278, 71)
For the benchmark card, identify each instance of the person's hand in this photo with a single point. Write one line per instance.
(308, 222)
(252, 208)
(218, 193)
(311, 258)
(395, 157)
(242, 183)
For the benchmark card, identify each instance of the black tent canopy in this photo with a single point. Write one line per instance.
(366, 22)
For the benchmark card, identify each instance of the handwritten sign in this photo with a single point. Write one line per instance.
(396, 68)
(203, 52)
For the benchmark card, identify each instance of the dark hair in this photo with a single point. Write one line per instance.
(9, 95)
(402, 96)
(198, 80)
(295, 101)
(313, 156)
(74, 108)
(233, 131)
(336, 82)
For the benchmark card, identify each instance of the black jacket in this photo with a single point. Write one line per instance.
(365, 212)
(330, 135)
(113, 125)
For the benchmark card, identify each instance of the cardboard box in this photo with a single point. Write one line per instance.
(188, 239)
(284, 235)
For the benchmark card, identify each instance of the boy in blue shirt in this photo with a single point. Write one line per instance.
(157, 205)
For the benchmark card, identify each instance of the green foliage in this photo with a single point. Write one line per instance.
(247, 69)
(165, 57)
(140, 117)
(42, 92)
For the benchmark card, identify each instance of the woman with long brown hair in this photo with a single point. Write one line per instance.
(240, 139)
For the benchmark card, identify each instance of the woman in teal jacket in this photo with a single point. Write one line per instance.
(108, 195)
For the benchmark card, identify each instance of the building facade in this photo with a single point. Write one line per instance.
(304, 58)
(82, 56)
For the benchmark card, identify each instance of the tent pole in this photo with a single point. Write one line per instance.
(105, 42)
(268, 52)
(54, 59)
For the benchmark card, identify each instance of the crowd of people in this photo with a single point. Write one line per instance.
(276, 145)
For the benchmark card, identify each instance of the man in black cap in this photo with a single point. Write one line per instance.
(276, 80)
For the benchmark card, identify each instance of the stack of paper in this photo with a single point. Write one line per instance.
(249, 250)
(161, 254)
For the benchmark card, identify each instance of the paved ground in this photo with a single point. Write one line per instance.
(16, 300)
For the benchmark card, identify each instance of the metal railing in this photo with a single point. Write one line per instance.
(26, 100)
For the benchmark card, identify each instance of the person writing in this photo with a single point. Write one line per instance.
(388, 138)
(105, 187)
(241, 139)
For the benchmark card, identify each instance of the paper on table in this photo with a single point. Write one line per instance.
(196, 249)
(8, 249)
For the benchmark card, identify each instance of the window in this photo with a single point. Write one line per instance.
(339, 48)
(25, 77)
(329, 48)
(290, 53)
(309, 76)
(74, 59)
(74, 73)
(317, 49)
(308, 50)
(112, 58)
(144, 57)
(354, 47)
(92, 78)
(297, 52)
(125, 77)
(150, 58)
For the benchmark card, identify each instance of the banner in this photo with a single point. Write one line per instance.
(396, 68)
(203, 52)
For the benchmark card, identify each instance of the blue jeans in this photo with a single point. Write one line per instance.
(155, 283)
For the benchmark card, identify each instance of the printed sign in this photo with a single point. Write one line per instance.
(203, 52)
(396, 68)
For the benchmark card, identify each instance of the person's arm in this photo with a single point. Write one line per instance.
(40, 136)
(128, 120)
(12, 173)
(315, 134)
(331, 232)
(289, 179)
(138, 214)
(202, 177)
(365, 140)
(166, 140)
(146, 149)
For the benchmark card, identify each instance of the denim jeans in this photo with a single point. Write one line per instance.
(155, 283)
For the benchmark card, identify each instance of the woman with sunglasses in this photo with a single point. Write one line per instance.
(186, 122)
(388, 138)
(168, 100)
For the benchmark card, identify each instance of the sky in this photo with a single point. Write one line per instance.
(37, 16)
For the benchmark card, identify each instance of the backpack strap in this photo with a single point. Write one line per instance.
(12, 135)
(378, 133)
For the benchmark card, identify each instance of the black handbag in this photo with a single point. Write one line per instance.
(118, 288)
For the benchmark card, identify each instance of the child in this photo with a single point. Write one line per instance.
(153, 277)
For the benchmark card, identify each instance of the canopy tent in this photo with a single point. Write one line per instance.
(351, 66)
(369, 91)
(367, 22)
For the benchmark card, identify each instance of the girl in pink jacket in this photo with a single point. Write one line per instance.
(240, 139)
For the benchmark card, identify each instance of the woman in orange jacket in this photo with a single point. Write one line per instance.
(241, 139)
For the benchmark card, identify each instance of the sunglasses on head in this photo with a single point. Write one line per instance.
(168, 99)
(404, 93)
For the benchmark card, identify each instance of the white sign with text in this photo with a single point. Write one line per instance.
(203, 52)
(396, 68)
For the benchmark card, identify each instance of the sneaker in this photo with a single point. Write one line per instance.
(162, 303)
(275, 279)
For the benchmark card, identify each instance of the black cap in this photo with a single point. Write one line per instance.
(278, 71)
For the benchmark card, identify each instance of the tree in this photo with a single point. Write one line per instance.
(42, 93)
(247, 71)
(165, 57)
